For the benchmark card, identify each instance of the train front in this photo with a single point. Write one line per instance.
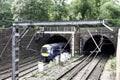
(45, 53)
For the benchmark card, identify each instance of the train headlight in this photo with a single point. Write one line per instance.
(48, 51)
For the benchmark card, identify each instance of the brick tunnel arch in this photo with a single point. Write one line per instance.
(107, 45)
(58, 39)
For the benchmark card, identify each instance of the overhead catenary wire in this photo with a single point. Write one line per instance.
(71, 75)
(69, 40)
(97, 52)
(91, 53)
(6, 46)
(59, 23)
(27, 48)
(106, 26)
(94, 40)
(24, 32)
(30, 40)
(22, 35)
(101, 42)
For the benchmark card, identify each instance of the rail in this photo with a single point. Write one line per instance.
(29, 64)
(86, 68)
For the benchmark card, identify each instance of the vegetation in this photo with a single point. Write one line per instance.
(52, 63)
(5, 13)
(51, 10)
(111, 65)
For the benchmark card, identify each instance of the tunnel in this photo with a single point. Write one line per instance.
(58, 39)
(105, 44)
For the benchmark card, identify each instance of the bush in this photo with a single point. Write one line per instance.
(111, 65)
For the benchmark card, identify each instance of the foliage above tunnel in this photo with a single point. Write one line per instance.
(97, 9)
(51, 10)
(5, 13)
(39, 10)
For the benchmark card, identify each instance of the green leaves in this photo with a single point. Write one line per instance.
(60, 10)
(97, 9)
(111, 10)
(51, 10)
(33, 10)
(5, 13)
(40, 10)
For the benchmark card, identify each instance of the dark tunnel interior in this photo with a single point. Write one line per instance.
(58, 39)
(103, 42)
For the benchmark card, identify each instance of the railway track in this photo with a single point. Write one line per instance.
(25, 67)
(95, 75)
(83, 62)
(86, 69)
(4, 66)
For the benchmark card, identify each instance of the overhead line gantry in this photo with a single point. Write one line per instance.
(16, 37)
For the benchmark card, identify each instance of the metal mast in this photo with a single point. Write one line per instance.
(16, 37)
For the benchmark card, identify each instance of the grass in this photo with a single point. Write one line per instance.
(52, 63)
(33, 75)
(76, 56)
(111, 65)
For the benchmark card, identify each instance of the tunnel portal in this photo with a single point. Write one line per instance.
(103, 42)
(58, 39)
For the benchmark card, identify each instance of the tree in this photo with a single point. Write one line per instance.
(60, 10)
(111, 10)
(96, 9)
(35, 10)
(45, 10)
(40, 10)
(86, 9)
(5, 13)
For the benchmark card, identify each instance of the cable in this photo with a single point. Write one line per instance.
(107, 26)
(101, 42)
(93, 40)
(27, 47)
(5, 46)
(97, 52)
(69, 40)
(24, 32)
(30, 41)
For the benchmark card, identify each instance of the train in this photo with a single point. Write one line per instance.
(49, 51)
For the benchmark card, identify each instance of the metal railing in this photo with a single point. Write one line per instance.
(57, 29)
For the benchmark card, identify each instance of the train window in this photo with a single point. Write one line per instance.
(56, 50)
(44, 50)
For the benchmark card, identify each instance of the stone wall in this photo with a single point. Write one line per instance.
(32, 51)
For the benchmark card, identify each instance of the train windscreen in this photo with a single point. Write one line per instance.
(44, 50)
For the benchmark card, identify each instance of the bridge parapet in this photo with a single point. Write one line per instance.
(63, 29)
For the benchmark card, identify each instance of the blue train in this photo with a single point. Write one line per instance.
(49, 51)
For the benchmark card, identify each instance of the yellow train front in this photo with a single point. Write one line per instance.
(49, 51)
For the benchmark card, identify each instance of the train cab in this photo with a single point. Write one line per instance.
(45, 50)
(49, 51)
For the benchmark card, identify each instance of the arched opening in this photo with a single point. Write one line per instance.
(58, 39)
(107, 47)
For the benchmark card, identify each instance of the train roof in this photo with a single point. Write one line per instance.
(54, 44)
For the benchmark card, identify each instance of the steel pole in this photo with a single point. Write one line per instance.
(15, 53)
